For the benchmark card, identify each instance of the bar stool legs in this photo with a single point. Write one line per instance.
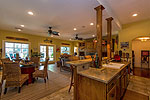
(72, 83)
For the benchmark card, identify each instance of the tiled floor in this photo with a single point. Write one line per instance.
(57, 87)
(62, 94)
(138, 85)
(57, 80)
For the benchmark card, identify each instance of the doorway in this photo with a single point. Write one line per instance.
(47, 51)
(141, 48)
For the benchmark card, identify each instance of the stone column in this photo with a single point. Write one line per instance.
(109, 33)
(99, 16)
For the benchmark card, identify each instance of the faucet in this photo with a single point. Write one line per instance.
(107, 61)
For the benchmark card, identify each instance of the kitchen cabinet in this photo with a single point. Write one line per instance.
(112, 94)
(101, 84)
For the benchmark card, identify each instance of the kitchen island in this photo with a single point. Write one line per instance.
(101, 84)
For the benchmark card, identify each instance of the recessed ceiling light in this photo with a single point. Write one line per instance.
(74, 29)
(146, 38)
(19, 30)
(134, 15)
(22, 25)
(93, 35)
(91, 23)
(30, 12)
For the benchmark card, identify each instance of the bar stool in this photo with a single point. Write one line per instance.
(127, 56)
(71, 83)
(123, 56)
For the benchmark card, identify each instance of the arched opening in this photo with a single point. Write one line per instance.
(140, 55)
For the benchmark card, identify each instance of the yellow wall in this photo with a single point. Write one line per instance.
(35, 40)
(132, 31)
(115, 45)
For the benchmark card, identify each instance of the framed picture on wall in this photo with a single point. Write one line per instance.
(124, 44)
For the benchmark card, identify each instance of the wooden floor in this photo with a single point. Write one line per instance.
(135, 93)
(57, 80)
(144, 72)
(130, 95)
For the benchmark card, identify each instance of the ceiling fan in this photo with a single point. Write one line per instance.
(51, 32)
(77, 37)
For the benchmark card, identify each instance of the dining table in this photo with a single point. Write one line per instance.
(28, 68)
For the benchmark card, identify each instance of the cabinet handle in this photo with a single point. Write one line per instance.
(112, 84)
(83, 67)
(112, 95)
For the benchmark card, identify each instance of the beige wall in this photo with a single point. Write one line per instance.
(35, 41)
(137, 46)
(132, 31)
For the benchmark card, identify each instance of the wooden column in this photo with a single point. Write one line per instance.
(99, 16)
(109, 33)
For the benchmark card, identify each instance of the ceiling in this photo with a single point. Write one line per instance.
(124, 9)
(64, 15)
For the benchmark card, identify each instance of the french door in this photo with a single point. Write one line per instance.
(47, 51)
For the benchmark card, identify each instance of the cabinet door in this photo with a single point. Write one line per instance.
(118, 89)
(126, 80)
(122, 85)
(112, 94)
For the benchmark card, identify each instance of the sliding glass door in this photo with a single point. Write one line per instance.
(47, 51)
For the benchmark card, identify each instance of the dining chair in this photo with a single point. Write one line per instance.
(4, 60)
(14, 78)
(42, 73)
(36, 61)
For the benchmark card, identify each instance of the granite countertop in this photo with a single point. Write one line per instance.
(105, 74)
(79, 62)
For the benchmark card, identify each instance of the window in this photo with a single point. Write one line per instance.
(12, 48)
(65, 50)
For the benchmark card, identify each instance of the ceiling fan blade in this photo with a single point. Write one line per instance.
(80, 38)
(55, 33)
